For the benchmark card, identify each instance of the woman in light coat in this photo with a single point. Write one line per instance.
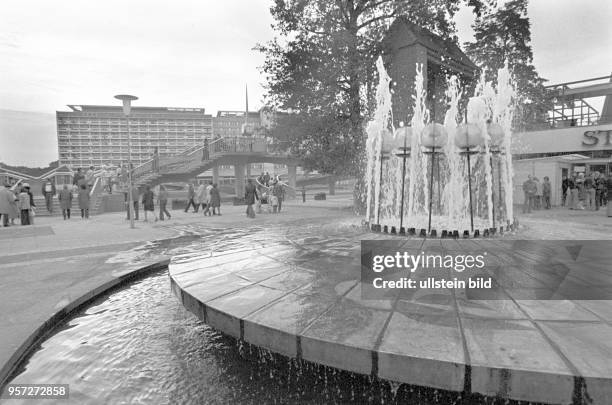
(201, 197)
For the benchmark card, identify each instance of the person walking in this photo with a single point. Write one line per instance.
(600, 191)
(163, 202)
(90, 177)
(78, 178)
(148, 202)
(564, 188)
(65, 199)
(581, 192)
(24, 206)
(134, 202)
(190, 198)
(6, 197)
(590, 190)
(529, 189)
(250, 195)
(83, 198)
(14, 211)
(215, 200)
(279, 192)
(538, 194)
(572, 193)
(201, 197)
(48, 191)
(32, 210)
(207, 196)
(546, 190)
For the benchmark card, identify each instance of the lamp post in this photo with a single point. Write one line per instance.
(127, 107)
(433, 136)
(496, 134)
(403, 136)
(468, 137)
(385, 149)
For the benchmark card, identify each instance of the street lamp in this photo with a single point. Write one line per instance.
(127, 107)
(387, 143)
(468, 137)
(433, 136)
(496, 134)
(403, 138)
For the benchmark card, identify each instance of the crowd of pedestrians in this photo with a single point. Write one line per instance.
(579, 192)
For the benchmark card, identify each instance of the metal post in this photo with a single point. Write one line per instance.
(380, 186)
(492, 193)
(130, 202)
(403, 183)
(499, 185)
(469, 169)
(433, 156)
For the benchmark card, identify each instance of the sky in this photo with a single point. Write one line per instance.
(199, 53)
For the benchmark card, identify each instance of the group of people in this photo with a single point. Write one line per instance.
(579, 192)
(18, 202)
(582, 191)
(272, 194)
(206, 196)
(537, 194)
(147, 198)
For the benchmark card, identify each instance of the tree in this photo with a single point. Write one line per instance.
(323, 70)
(504, 35)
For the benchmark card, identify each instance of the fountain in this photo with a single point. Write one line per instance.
(458, 173)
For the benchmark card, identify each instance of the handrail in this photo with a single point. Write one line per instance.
(14, 186)
(93, 188)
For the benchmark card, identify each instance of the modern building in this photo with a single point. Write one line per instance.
(576, 139)
(96, 135)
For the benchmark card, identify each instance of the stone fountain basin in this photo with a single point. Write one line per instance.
(301, 297)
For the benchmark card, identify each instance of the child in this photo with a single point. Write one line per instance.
(274, 202)
(24, 206)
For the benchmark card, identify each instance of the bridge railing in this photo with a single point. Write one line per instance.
(239, 144)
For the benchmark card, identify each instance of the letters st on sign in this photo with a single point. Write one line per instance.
(592, 138)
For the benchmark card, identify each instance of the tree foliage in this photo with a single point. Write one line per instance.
(504, 35)
(321, 68)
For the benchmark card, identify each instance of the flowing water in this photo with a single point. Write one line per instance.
(439, 185)
(138, 345)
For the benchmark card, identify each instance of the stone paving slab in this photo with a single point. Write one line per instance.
(512, 342)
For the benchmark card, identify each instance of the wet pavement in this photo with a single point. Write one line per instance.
(543, 333)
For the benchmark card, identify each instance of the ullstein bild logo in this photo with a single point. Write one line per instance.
(486, 270)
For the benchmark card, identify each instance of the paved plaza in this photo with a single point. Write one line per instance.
(290, 283)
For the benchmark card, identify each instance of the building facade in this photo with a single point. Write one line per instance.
(94, 135)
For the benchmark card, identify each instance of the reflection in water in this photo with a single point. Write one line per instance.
(140, 346)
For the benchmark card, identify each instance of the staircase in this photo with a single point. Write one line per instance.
(94, 204)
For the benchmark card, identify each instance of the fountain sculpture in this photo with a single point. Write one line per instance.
(458, 174)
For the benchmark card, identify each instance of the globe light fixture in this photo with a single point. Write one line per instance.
(434, 136)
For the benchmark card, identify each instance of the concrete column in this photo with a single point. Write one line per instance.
(248, 171)
(292, 179)
(239, 176)
(215, 174)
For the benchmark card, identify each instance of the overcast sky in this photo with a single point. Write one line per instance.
(199, 54)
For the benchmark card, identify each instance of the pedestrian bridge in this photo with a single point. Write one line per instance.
(235, 151)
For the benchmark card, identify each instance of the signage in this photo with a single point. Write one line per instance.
(592, 138)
